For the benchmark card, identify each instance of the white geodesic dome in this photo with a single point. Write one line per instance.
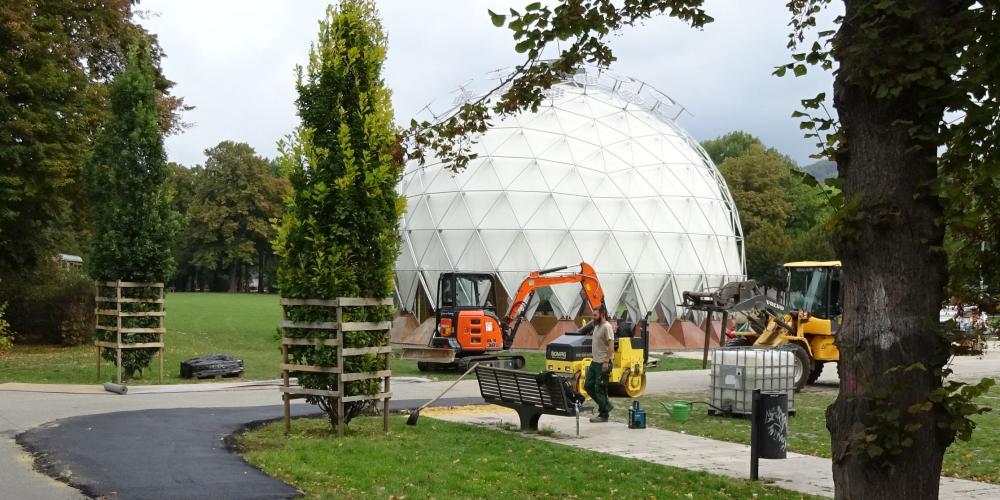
(601, 174)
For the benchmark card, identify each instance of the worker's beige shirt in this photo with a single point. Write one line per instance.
(599, 342)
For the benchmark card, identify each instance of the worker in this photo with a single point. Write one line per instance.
(602, 349)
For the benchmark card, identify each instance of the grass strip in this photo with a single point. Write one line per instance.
(438, 459)
(978, 459)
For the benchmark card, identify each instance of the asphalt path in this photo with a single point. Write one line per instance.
(180, 453)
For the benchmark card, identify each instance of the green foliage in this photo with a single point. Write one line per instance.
(784, 216)
(730, 145)
(6, 334)
(228, 219)
(56, 58)
(180, 188)
(339, 235)
(134, 226)
(50, 305)
(889, 429)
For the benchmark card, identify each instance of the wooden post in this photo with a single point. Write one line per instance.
(724, 328)
(285, 397)
(163, 324)
(118, 329)
(708, 330)
(97, 321)
(340, 365)
(385, 402)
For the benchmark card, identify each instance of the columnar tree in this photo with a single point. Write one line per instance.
(903, 66)
(339, 236)
(134, 225)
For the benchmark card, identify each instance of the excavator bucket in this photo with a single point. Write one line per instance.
(428, 354)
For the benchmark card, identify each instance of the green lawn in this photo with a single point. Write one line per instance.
(243, 325)
(534, 362)
(978, 459)
(439, 459)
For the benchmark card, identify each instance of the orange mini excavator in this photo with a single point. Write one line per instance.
(468, 327)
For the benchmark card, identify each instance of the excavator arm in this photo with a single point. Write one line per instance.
(587, 278)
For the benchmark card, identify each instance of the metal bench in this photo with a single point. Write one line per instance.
(531, 395)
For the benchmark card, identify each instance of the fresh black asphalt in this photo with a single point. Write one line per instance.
(181, 453)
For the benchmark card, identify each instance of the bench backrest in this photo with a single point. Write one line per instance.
(524, 388)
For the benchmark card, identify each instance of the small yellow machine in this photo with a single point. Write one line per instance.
(569, 355)
(806, 324)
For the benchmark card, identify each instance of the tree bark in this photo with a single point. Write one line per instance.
(895, 273)
(234, 278)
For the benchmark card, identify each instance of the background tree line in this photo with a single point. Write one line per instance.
(58, 62)
(227, 209)
(784, 211)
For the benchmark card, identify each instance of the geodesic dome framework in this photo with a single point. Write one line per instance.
(600, 173)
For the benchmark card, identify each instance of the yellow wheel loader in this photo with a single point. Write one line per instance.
(806, 324)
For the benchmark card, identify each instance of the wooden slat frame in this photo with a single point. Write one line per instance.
(309, 302)
(119, 330)
(360, 326)
(137, 345)
(128, 300)
(352, 376)
(365, 397)
(129, 284)
(309, 392)
(314, 325)
(338, 328)
(310, 368)
(294, 341)
(358, 351)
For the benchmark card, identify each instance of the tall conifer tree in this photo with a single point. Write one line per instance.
(339, 236)
(134, 226)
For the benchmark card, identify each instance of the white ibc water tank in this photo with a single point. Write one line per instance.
(738, 371)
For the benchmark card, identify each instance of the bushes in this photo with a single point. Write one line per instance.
(50, 306)
(6, 335)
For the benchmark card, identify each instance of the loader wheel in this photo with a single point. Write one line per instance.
(803, 365)
(739, 341)
(424, 366)
(816, 372)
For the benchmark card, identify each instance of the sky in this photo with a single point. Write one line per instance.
(234, 61)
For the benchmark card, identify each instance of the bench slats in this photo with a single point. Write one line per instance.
(515, 389)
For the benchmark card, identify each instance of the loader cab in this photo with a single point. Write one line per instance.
(816, 288)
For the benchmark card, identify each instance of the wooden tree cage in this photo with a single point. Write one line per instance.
(334, 336)
(111, 306)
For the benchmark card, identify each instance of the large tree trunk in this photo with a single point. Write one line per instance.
(234, 278)
(895, 272)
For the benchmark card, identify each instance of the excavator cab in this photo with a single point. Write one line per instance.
(467, 328)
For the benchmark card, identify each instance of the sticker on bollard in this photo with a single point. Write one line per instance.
(769, 429)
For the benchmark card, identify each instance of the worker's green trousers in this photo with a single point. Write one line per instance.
(596, 384)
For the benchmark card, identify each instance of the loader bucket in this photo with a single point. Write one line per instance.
(428, 354)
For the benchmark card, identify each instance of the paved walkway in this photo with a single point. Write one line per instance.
(803, 473)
